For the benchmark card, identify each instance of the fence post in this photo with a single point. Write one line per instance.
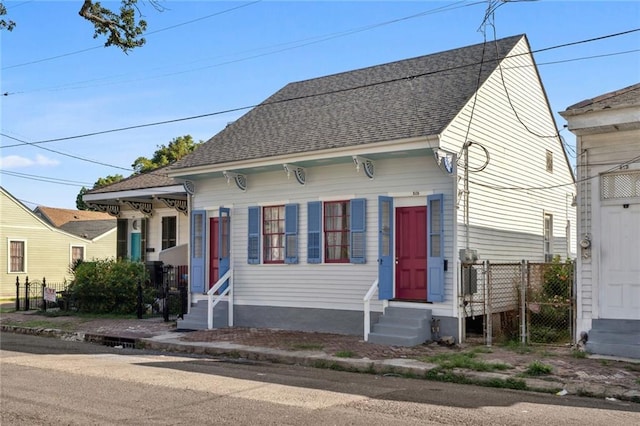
(44, 301)
(17, 294)
(523, 299)
(26, 295)
(489, 313)
(139, 307)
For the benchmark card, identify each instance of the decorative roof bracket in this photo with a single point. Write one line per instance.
(141, 206)
(298, 172)
(179, 205)
(240, 179)
(366, 165)
(111, 209)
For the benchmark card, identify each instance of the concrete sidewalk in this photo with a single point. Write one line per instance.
(589, 376)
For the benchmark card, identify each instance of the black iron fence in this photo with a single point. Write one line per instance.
(164, 295)
(40, 294)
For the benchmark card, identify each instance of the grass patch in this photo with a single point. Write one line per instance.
(67, 326)
(465, 360)
(605, 362)
(578, 354)
(537, 368)
(306, 347)
(345, 354)
(518, 347)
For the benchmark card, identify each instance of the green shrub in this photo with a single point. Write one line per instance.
(107, 286)
(537, 368)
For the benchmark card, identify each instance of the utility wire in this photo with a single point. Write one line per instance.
(296, 45)
(23, 142)
(194, 117)
(536, 188)
(37, 61)
(47, 179)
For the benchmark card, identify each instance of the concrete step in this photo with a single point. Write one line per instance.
(402, 327)
(614, 349)
(387, 339)
(197, 319)
(616, 325)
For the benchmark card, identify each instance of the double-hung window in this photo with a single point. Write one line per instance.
(77, 254)
(273, 234)
(168, 232)
(339, 226)
(277, 228)
(17, 256)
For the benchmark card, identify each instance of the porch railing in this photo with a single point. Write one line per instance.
(367, 309)
(211, 303)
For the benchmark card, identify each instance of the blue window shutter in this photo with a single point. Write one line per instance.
(435, 247)
(253, 249)
(385, 248)
(314, 232)
(197, 250)
(291, 233)
(358, 228)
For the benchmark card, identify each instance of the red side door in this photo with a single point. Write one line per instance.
(411, 253)
(214, 264)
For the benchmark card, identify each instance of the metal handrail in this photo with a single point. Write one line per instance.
(212, 303)
(367, 309)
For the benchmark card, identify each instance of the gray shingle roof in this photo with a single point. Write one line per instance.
(619, 98)
(89, 229)
(153, 179)
(404, 99)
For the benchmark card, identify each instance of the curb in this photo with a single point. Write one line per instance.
(400, 367)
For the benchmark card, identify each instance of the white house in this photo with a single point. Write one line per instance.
(608, 268)
(152, 215)
(378, 181)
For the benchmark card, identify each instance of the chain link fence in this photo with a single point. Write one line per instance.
(528, 302)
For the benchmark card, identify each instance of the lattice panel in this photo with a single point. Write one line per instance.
(620, 185)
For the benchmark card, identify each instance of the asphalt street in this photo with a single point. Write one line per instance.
(51, 381)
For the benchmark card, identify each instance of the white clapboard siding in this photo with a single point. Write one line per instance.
(600, 153)
(507, 224)
(328, 286)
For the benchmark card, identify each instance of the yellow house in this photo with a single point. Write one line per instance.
(31, 246)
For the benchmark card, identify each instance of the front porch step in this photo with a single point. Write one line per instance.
(196, 319)
(613, 337)
(402, 327)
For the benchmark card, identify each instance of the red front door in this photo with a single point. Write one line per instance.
(214, 264)
(411, 253)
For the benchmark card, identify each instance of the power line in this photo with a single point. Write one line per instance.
(23, 142)
(44, 179)
(194, 117)
(296, 45)
(536, 188)
(37, 61)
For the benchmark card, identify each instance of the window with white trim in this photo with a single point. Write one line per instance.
(77, 254)
(548, 237)
(169, 232)
(17, 256)
(273, 234)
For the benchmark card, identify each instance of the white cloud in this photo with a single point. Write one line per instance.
(17, 161)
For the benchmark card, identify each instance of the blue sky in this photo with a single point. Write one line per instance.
(206, 58)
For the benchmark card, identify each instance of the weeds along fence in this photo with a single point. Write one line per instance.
(529, 302)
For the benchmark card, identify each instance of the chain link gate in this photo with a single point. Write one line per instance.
(527, 302)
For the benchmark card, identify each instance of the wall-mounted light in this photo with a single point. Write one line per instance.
(240, 179)
(366, 165)
(297, 171)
